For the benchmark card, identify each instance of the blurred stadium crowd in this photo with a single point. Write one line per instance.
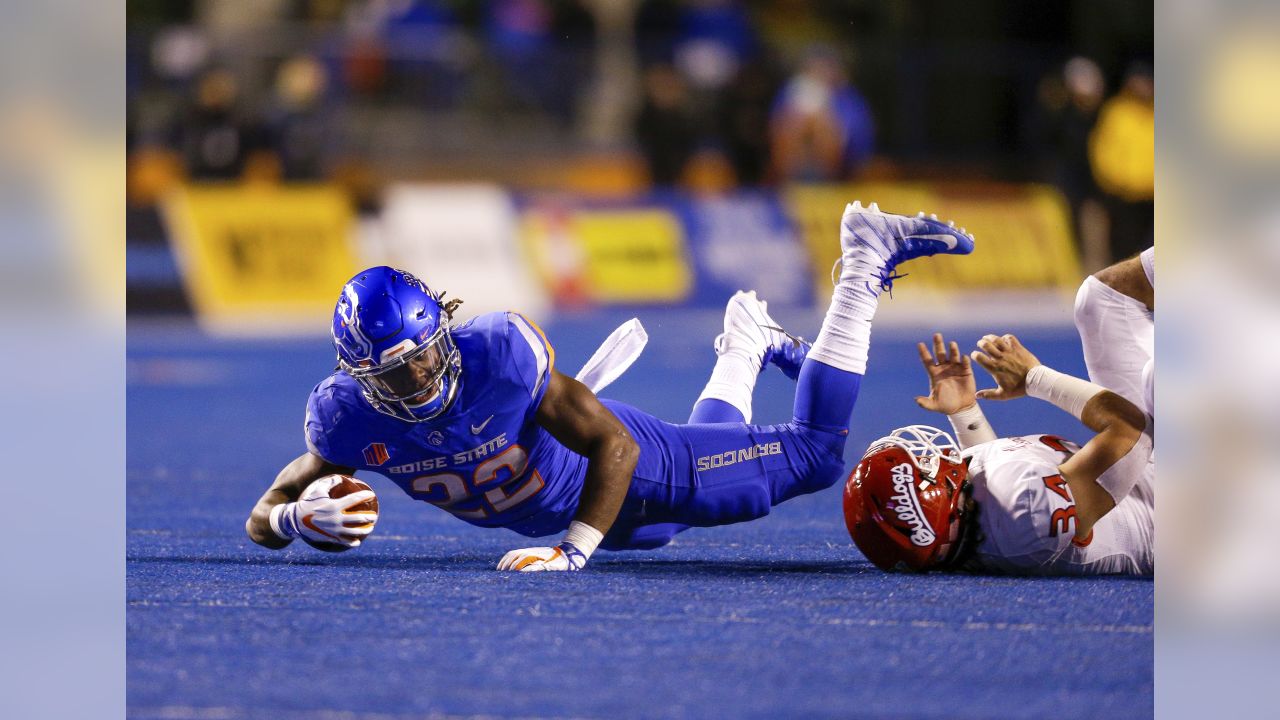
(615, 97)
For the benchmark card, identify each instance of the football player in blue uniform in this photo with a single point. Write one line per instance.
(476, 418)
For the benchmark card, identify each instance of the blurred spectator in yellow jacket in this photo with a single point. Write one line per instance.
(1122, 155)
(1122, 147)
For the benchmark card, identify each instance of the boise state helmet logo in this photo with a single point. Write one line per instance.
(348, 328)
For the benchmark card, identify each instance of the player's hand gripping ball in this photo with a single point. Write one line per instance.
(334, 513)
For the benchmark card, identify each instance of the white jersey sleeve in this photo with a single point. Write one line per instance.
(1027, 515)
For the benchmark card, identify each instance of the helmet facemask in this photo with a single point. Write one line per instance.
(927, 446)
(413, 383)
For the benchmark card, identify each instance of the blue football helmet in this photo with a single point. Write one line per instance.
(393, 337)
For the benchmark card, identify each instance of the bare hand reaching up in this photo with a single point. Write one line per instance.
(951, 386)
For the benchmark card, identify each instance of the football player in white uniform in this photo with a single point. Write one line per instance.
(1033, 504)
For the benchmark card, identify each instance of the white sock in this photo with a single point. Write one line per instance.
(733, 380)
(845, 336)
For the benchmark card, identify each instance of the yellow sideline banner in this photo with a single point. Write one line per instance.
(1023, 238)
(609, 255)
(257, 258)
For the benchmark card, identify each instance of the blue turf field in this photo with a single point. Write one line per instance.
(777, 618)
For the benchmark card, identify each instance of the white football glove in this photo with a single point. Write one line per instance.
(324, 521)
(571, 554)
(565, 556)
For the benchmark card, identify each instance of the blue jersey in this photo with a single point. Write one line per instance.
(485, 460)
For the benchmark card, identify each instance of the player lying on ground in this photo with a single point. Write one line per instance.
(477, 420)
(1033, 504)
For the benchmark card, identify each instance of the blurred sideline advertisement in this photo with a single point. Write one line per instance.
(464, 235)
(667, 248)
(746, 240)
(1024, 232)
(261, 259)
(257, 259)
(614, 254)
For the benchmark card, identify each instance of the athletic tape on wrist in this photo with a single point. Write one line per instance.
(971, 427)
(584, 537)
(281, 524)
(1067, 392)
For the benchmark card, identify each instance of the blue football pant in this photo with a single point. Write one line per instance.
(707, 474)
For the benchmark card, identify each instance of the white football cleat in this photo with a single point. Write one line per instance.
(748, 326)
(873, 242)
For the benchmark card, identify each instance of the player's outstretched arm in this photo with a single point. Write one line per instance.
(952, 391)
(288, 485)
(1110, 464)
(574, 416)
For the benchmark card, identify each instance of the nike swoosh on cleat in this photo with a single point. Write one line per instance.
(950, 241)
(477, 429)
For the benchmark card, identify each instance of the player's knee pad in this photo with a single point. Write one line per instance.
(728, 505)
(824, 439)
(823, 461)
(1101, 312)
(819, 477)
(1089, 304)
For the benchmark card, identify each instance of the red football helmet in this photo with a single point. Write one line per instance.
(904, 503)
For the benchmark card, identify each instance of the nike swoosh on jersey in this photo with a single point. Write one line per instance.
(941, 237)
(477, 429)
